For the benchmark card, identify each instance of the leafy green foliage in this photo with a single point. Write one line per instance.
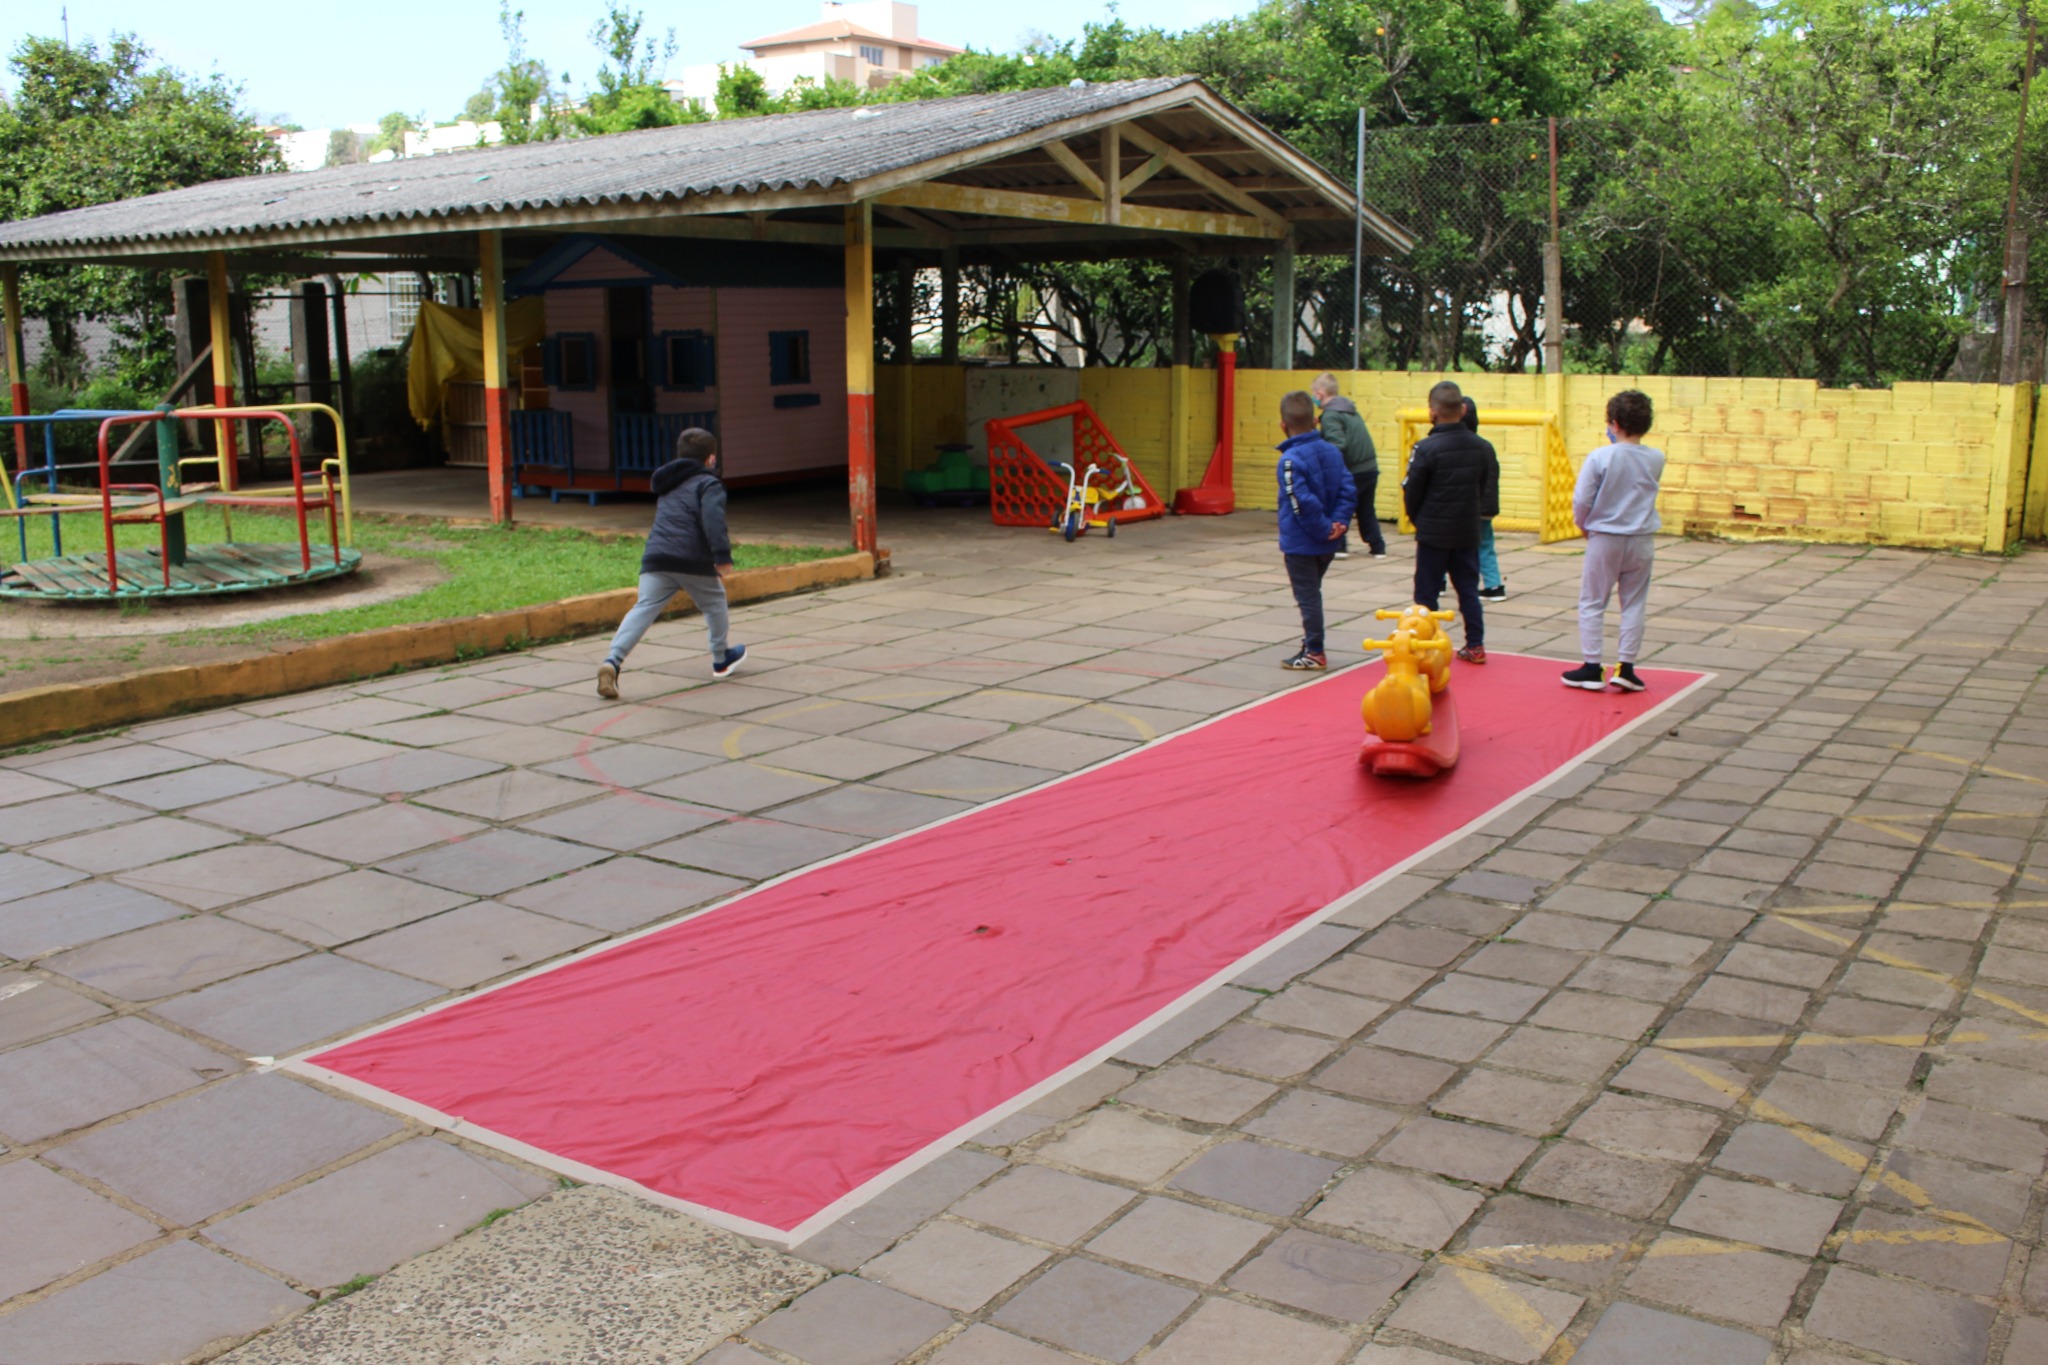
(86, 125)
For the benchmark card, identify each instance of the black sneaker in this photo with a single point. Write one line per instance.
(1497, 593)
(1588, 676)
(608, 680)
(1306, 662)
(1625, 678)
(723, 668)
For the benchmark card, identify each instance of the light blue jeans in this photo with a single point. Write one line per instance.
(707, 590)
(1489, 562)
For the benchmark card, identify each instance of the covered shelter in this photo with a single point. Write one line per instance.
(635, 239)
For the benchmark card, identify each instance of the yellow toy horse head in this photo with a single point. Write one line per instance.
(1421, 623)
(1398, 707)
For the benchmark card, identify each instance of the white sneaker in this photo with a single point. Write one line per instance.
(1343, 554)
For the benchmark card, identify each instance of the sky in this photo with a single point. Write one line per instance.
(326, 65)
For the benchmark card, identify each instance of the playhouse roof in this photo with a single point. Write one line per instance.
(1007, 169)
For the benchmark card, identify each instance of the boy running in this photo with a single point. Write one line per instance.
(1615, 504)
(687, 551)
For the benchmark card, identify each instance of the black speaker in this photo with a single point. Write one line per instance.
(1216, 303)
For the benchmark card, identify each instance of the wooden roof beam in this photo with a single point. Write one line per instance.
(1054, 208)
(1203, 176)
(1070, 162)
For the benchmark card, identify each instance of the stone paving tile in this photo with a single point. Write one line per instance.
(386, 830)
(747, 786)
(1779, 1219)
(17, 787)
(145, 841)
(753, 849)
(370, 1215)
(1176, 1238)
(354, 905)
(79, 1078)
(494, 862)
(167, 959)
(123, 763)
(34, 1007)
(55, 920)
(1124, 1146)
(191, 1159)
(954, 1266)
(243, 735)
(1772, 1152)
(1461, 1151)
(1938, 1260)
(624, 822)
(1522, 1103)
(1391, 1077)
(1479, 1312)
(1047, 1205)
(279, 1010)
(277, 809)
(55, 816)
(1586, 1175)
(1324, 1123)
(1410, 1210)
(470, 945)
(1094, 1308)
(622, 893)
(511, 795)
(873, 812)
(193, 786)
(848, 1321)
(628, 766)
(165, 1305)
(1253, 1175)
(1315, 1010)
(1900, 1319)
(315, 757)
(1633, 1126)
(73, 1228)
(206, 881)
(1223, 1332)
(1754, 1288)
(1197, 1092)
(408, 772)
(1627, 1334)
(1326, 1276)
(1542, 1239)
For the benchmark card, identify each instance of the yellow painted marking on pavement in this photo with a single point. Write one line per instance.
(1914, 1040)
(1510, 1307)
(1958, 1236)
(1840, 1153)
(1522, 1253)
(1692, 1246)
(1985, 993)
(1971, 763)
(1906, 836)
(1890, 907)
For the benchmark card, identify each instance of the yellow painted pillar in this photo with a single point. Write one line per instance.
(221, 329)
(860, 373)
(1177, 429)
(497, 394)
(17, 356)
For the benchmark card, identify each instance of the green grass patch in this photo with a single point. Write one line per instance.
(492, 568)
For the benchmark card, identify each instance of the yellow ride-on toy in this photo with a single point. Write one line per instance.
(1089, 494)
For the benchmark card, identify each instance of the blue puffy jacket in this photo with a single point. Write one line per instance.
(1316, 493)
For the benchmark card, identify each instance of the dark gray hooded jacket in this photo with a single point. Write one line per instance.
(689, 533)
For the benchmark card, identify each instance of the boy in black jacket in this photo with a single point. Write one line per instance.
(1453, 480)
(687, 551)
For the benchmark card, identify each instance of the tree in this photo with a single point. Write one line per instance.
(344, 148)
(629, 91)
(479, 107)
(391, 132)
(86, 126)
(525, 89)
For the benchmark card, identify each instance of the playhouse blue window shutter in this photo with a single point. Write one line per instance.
(789, 358)
(551, 362)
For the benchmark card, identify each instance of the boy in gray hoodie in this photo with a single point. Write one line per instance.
(1344, 428)
(1615, 504)
(689, 551)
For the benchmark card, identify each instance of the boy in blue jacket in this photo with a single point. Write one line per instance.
(1317, 499)
(688, 550)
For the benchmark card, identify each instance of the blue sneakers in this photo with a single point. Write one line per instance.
(722, 668)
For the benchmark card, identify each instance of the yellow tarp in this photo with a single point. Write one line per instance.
(448, 344)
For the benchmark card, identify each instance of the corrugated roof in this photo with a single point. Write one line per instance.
(814, 150)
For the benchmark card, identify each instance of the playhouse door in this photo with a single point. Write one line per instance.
(629, 329)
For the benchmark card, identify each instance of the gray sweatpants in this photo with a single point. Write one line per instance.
(707, 590)
(1615, 562)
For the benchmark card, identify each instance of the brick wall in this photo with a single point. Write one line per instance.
(1934, 465)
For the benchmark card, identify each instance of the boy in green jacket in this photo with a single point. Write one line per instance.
(1345, 429)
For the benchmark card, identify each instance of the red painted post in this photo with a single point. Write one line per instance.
(17, 357)
(860, 374)
(1216, 495)
(497, 393)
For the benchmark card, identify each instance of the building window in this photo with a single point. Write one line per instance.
(689, 361)
(873, 56)
(569, 361)
(789, 358)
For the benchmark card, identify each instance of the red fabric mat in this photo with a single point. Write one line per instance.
(770, 1056)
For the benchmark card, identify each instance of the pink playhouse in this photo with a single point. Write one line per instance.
(645, 338)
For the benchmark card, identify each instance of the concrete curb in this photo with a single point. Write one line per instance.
(69, 708)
